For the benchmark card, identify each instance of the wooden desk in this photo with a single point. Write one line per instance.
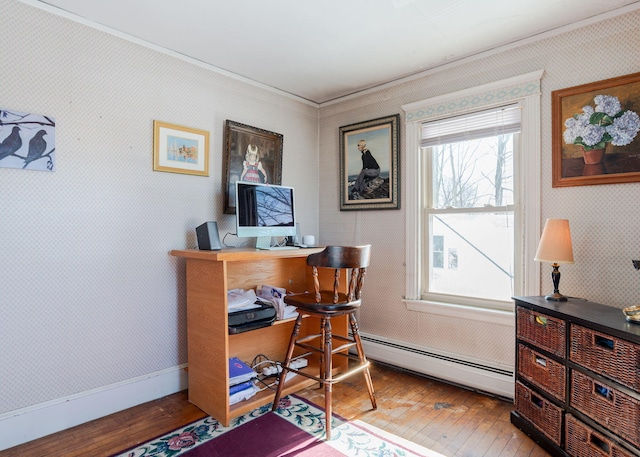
(210, 274)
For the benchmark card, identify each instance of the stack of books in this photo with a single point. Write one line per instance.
(241, 376)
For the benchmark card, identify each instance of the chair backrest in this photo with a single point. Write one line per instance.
(355, 258)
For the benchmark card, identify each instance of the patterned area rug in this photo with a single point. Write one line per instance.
(296, 429)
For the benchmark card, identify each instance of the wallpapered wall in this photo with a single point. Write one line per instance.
(89, 293)
(604, 219)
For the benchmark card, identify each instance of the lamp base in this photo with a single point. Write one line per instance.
(555, 297)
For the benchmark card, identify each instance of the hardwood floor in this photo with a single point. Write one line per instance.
(452, 421)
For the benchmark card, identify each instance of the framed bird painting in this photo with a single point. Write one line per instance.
(27, 141)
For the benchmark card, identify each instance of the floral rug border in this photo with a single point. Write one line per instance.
(348, 437)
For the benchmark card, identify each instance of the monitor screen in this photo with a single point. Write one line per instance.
(264, 211)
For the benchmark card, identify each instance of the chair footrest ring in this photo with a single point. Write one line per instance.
(333, 380)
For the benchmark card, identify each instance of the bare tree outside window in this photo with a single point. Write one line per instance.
(468, 174)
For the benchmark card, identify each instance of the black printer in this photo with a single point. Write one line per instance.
(250, 319)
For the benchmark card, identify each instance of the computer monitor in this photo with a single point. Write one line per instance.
(264, 211)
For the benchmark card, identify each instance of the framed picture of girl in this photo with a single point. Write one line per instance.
(250, 154)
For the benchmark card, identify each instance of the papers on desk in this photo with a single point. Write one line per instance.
(275, 296)
(290, 311)
(238, 299)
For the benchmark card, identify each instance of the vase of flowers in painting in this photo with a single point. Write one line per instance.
(595, 127)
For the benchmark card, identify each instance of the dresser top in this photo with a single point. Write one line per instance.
(583, 312)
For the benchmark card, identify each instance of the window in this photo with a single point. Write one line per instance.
(469, 202)
(472, 199)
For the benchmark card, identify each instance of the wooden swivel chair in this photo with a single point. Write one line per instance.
(325, 305)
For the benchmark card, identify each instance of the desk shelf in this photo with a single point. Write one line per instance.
(266, 396)
(210, 274)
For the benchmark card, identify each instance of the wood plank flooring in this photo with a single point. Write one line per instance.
(450, 420)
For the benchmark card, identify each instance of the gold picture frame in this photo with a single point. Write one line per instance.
(179, 149)
(603, 162)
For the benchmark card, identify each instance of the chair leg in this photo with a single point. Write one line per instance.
(287, 361)
(327, 376)
(363, 359)
(321, 353)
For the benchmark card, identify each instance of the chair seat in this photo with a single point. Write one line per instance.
(307, 302)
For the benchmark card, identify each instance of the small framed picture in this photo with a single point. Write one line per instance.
(595, 132)
(178, 149)
(250, 154)
(27, 141)
(369, 173)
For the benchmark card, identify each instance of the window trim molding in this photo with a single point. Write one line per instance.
(473, 313)
(524, 89)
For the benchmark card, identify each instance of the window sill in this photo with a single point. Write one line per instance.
(492, 316)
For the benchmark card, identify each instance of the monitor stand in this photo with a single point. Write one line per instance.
(264, 242)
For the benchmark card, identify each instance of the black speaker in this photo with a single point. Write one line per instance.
(208, 239)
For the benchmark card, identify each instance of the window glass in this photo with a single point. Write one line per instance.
(469, 207)
(480, 255)
(473, 174)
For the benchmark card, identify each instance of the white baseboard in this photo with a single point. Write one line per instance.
(472, 374)
(27, 424)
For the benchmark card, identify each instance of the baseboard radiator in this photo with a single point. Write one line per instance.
(465, 373)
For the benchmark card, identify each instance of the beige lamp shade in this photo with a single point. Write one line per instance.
(555, 242)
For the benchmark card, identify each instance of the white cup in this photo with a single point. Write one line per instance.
(309, 240)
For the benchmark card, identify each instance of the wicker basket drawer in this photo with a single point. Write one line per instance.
(542, 371)
(606, 355)
(543, 331)
(545, 416)
(583, 441)
(615, 410)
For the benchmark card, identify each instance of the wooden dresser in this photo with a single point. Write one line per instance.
(577, 378)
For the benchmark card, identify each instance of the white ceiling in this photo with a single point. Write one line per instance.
(327, 49)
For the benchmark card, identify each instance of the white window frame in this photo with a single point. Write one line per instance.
(524, 89)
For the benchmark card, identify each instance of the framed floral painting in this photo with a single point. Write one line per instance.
(595, 132)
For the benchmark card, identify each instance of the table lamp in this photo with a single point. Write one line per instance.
(555, 247)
